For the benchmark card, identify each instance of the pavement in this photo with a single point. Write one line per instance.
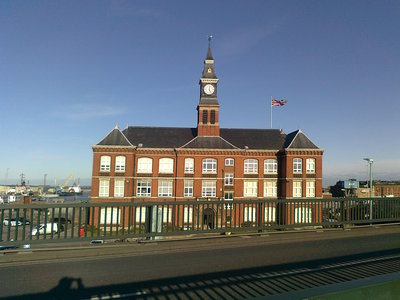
(135, 247)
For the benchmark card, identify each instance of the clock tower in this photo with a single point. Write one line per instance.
(208, 108)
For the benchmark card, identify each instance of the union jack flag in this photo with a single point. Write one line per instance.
(275, 102)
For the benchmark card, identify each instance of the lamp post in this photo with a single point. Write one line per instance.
(370, 162)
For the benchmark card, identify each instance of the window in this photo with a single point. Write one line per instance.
(205, 117)
(228, 196)
(249, 214)
(165, 188)
(187, 215)
(120, 164)
(145, 165)
(188, 188)
(166, 165)
(143, 188)
(302, 215)
(209, 165)
(228, 179)
(110, 215)
(271, 166)
(105, 163)
(297, 189)
(104, 188)
(310, 165)
(140, 214)
(270, 188)
(212, 117)
(229, 162)
(251, 166)
(189, 165)
(310, 189)
(297, 165)
(167, 215)
(119, 187)
(209, 188)
(270, 214)
(250, 188)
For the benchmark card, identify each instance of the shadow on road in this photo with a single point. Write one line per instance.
(238, 284)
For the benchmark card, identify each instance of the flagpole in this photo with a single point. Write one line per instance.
(271, 111)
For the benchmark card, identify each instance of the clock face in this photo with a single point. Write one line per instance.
(209, 89)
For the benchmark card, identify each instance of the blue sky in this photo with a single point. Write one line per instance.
(71, 70)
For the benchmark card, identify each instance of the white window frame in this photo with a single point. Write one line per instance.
(229, 162)
(251, 166)
(104, 188)
(297, 189)
(188, 188)
(250, 188)
(105, 163)
(143, 187)
(140, 214)
(303, 215)
(145, 165)
(119, 188)
(249, 214)
(165, 188)
(310, 188)
(120, 163)
(269, 214)
(228, 195)
(310, 165)
(297, 165)
(189, 165)
(209, 188)
(187, 214)
(271, 166)
(270, 188)
(209, 166)
(228, 180)
(105, 215)
(166, 165)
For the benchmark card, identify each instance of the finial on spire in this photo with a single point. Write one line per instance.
(116, 126)
(209, 40)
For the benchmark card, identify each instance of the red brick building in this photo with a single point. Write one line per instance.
(207, 162)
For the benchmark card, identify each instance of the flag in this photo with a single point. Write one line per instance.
(275, 102)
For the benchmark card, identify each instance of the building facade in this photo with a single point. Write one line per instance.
(206, 162)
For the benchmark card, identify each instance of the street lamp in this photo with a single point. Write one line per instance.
(370, 161)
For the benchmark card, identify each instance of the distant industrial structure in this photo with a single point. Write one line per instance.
(353, 188)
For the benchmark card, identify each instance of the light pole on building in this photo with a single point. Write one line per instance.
(370, 162)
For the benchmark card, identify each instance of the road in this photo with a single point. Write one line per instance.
(227, 268)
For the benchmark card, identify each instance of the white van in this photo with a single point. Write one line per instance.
(49, 227)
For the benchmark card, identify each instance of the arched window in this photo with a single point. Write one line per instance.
(105, 163)
(271, 166)
(209, 165)
(145, 165)
(189, 165)
(251, 166)
(297, 165)
(166, 165)
(120, 164)
(229, 162)
(310, 165)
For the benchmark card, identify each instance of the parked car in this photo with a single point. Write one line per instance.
(49, 227)
(61, 220)
(13, 221)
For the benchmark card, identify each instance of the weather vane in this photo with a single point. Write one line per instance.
(209, 40)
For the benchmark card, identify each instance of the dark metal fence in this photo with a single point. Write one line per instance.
(78, 221)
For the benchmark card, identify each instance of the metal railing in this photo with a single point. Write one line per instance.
(74, 221)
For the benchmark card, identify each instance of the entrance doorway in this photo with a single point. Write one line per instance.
(209, 218)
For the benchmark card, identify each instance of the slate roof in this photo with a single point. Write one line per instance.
(298, 140)
(177, 137)
(208, 142)
(115, 138)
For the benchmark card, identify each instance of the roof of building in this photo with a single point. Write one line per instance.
(230, 138)
(298, 140)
